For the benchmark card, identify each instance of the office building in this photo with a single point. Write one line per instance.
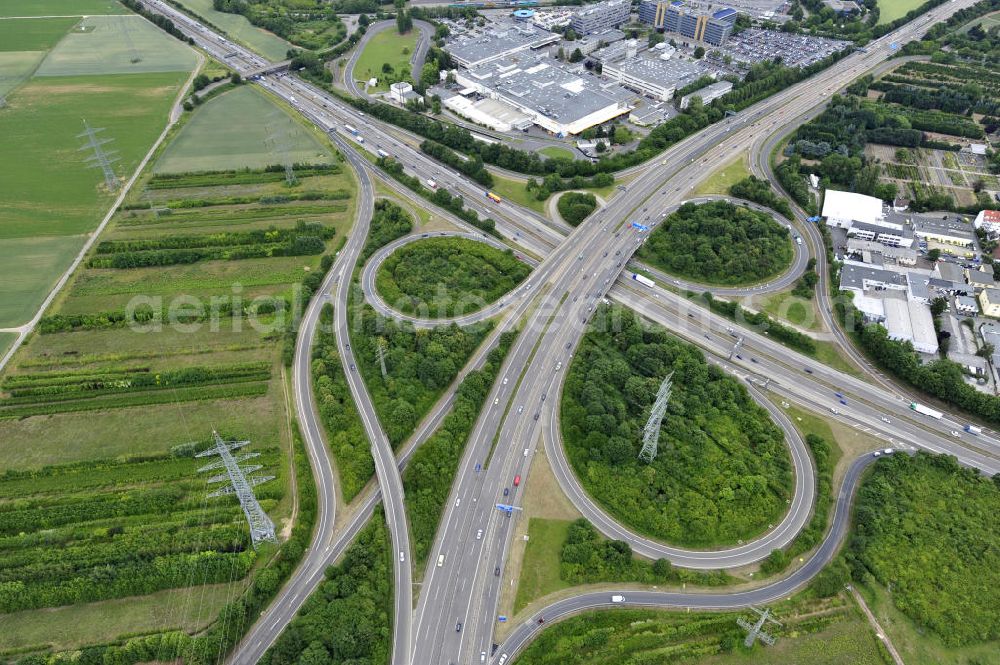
(989, 300)
(701, 24)
(603, 15)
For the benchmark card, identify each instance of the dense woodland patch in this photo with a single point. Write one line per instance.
(719, 243)
(929, 528)
(444, 277)
(722, 473)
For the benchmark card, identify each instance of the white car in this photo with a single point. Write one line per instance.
(885, 420)
(479, 534)
(520, 409)
(955, 434)
(505, 380)
(887, 451)
(496, 401)
(401, 557)
(482, 656)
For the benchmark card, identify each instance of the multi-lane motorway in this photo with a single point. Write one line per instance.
(566, 286)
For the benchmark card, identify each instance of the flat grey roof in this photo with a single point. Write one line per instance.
(497, 40)
(677, 73)
(542, 84)
(853, 276)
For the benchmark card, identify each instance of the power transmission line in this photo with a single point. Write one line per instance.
(261, 526)
(651, 433)
(101, 158)
(755, 630)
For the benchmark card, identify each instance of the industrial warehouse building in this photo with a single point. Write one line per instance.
(497, 42)
(563, 101)
(656, 77)
(708, 94)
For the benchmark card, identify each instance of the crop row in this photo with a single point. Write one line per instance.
(331, 195)
(298, 246)
(242, 177)
(59, 323)
(227, 216)
(47, 564)
(143, 380)
(134, 578)
(256, 237)
(146, 398)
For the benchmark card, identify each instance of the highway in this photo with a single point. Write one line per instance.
(475, 536)
(784, 280)
(530, 626)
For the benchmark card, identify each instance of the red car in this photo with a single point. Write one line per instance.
(517, 480)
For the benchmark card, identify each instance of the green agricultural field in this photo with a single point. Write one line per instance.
(6, 339)
(35, 34)
(72, 626)
(101, 407)
(40, 126)
(60, 7)
(16, 67)
(445, 277)
(387, 46)
(237, 130)
(890, 10)
(102, 45)
(239, 29)
(29, 268)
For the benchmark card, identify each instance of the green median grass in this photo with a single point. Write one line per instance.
(557, 152)
(540, 568)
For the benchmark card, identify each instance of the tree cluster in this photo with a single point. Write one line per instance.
(348, 619)
(587, 558)
(344, 431)
(722, 472)
(942, 378)
(719, 243)
(928, 527)
(574, 207)
(759, 191)
(445, 275)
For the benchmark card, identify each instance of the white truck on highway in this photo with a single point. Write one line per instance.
(926, 410)
(645, 281)
(972, 429)
(431, 184)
